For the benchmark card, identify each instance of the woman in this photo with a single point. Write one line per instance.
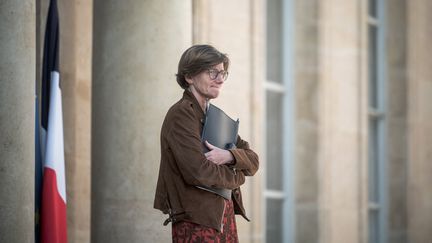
(198, 215)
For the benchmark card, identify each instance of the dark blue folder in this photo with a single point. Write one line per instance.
(221, 131)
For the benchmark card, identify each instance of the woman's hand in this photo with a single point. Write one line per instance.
(217, 155)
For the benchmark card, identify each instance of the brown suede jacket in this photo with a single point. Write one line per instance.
(183, 166)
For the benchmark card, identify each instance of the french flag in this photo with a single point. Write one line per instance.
(53, 226)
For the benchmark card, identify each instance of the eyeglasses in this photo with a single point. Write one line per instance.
(214, 74)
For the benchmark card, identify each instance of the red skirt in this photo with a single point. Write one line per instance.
(186, 232)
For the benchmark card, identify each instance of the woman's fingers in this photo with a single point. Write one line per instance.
(219, 156)
(209, 145)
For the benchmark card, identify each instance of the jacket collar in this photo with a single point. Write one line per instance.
(187, 95)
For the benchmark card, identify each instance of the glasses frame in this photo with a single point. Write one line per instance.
(212, 71)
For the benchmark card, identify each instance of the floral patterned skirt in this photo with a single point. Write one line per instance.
(186, 232)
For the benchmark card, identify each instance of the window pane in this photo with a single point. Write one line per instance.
(274, 221)
(373, 74)
(373, 227)
(373, 181)
(373, 8)
(274, 141)
(274, 41)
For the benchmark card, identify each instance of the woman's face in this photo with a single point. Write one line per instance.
(203, 86)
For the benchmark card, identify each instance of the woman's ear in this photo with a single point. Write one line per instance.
(189, 79)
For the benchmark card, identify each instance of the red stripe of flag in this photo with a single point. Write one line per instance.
(53, 221)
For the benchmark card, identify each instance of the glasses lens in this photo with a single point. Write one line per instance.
(224, 75)
(214, 74)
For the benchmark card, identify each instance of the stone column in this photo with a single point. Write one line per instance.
(17, 120)
(340, 122)
(306, 71)
(75, 68)
(397, 151)
(136, 48)
(419, 121)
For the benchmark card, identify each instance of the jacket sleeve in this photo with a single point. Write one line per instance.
(245, 159)
(185, 143)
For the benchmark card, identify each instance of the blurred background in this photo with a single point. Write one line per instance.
(334, 95)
